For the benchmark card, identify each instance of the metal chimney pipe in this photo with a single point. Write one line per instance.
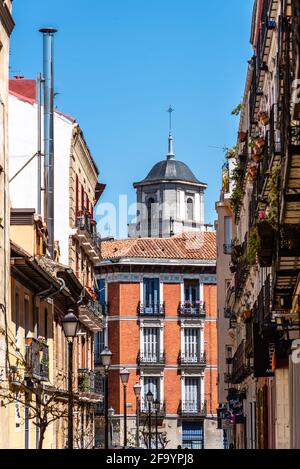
(48, 46)
(39, 142)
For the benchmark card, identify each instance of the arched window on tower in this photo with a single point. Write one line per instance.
(150, 215)
(190, 209)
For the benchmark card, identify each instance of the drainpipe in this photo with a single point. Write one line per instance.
(48, 45)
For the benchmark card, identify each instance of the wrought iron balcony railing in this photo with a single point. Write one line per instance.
(227, 248)
(90, 382)
(36, 360)
(192, 359)
(192, 408)
(190, 309)
(145, 407)
(153, 309)
(87, 226)
(240, 367)
(151, 358)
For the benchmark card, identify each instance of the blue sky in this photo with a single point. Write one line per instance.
(120, 63)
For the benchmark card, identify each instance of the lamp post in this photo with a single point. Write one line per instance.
(111, 413)
(137, 391)
(156, 405)
(149, 398)
(106, 356)
(70, 326)
(124, 374)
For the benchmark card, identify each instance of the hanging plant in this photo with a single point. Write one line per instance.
(237, 177)
(253, 245)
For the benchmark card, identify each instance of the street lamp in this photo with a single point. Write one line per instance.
(111, 413)
(106, 357)
(156, 405)
(137, 391)
(70, 326)
(149, 398)
(124, 374)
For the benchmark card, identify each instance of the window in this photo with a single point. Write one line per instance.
(190, 208)
(150, 344)
(191, 291)
(99, 343)
(191, 344)
(150, 214)
(151, 295)
(101, 291)
(77, 195)
(227, 231)
(150, 384)
(192, 435)
(27, 317)
(17, 318)
(46, 323)
(191, 402)
(83, 353)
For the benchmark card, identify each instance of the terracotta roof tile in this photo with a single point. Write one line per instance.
(197, 246)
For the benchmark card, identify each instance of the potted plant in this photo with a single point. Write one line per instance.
(252, 171)
(247, 314)
(263, 118)
(259, 142)
(242, 136)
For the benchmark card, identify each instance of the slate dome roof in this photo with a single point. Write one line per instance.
(171, 170)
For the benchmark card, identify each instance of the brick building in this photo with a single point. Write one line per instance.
(160, 299)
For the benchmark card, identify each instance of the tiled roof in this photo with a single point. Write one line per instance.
(197, 246)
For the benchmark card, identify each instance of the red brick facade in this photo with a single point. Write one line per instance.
(124, 342)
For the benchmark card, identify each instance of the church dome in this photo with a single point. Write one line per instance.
(171, 170)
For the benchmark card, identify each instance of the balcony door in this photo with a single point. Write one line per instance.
(151, 344)
(150, 384)
(191, 344)
(151, 295)
(191, 395)
(191, 291)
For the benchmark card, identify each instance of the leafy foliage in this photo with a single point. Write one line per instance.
(237, 110)
(253, 245)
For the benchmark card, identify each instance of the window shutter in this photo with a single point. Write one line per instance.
(77, 197)
(156, 292)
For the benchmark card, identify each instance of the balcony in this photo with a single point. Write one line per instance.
(195, 310)
(155, 309)
(99, 410)
(240, 366)
(192, 409)
(192, 359)
(151, 359)
(288, 265)
(36, 360)
(86, 233)
(90, 314)
(145, 408)
(227, 248)
(90, 383)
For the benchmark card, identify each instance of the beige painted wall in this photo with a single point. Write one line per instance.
(4, 210)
